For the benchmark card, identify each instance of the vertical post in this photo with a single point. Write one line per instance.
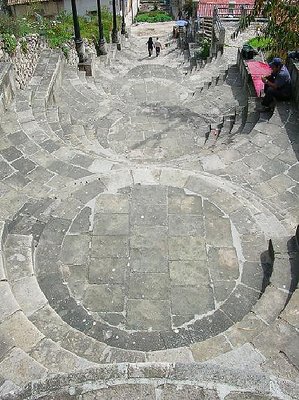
(123, 22)
(271, 251)
(297, 236)
(114, 25)
(78, 40)
(101, 43)
(213, 37)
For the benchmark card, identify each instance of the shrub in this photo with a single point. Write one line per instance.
(153, 16)
(283, 24)
(57, 32)
(260, 42)
(9, 43)
(24, 46)
(204, 51)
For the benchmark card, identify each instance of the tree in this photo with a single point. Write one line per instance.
(283, 23)
(188, 8)
(4, 7)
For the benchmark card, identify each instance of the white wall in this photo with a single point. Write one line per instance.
(84, 6)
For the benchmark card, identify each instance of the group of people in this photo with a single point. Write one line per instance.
(151, 45)
(277, 84)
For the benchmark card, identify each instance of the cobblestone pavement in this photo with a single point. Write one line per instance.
(136, 208)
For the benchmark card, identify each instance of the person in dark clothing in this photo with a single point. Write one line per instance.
(277, 84)
(150, 46)
(294, 55)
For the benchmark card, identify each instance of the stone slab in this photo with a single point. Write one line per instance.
(75, 249)
(185, 273)
(104, 297)
(187, 248)
(111, 224)
(186, 300)
(22, 332)
(29, 295)
(8, 304)
(109, 246)
(146, 314)
(107, 270)
(210, 348)
(21, 368)
(155, 286)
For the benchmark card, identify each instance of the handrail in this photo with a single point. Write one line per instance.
(218, 28)
(224, 10)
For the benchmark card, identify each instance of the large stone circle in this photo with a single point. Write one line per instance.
(150, 266)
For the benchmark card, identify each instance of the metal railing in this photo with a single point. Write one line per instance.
(224, 10)
(218, 34)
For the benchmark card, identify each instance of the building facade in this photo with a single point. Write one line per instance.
(46, 8)
(53, 7)
(226, 8)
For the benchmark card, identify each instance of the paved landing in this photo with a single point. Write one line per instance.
(151, 260)
(151, 266)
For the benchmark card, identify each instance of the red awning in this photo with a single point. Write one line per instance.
(258, 69)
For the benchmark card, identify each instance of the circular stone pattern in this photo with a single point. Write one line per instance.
(153, 263)
(154, 132)
(146, 268)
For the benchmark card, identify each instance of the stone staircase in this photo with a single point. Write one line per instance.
(79, 152)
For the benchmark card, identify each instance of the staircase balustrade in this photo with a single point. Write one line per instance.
(218, 34)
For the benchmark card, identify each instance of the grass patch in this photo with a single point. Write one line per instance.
(153, 16)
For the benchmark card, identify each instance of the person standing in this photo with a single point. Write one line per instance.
(158, 46)
(150, 46)
(277, 84)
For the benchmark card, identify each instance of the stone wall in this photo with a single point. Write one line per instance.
(7, 85)
(26, 55)
(72, 58)
(293, 67)
(45, 8)
(24, 58)
(252, 115)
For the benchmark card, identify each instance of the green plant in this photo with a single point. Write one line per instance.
(66, 51)
(57, 32)
(260, 42)
(205, 49)
(10, 43)
(24, 46)
(283, 24)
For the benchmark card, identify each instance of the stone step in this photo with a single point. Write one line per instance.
(164, 381)
(242, 357)
(17, 370)
(30, 149)
(16, 330)
(18, 257)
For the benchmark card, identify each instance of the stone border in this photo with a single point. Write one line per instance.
(3, 236)
(293, 67)
(252, 100)
(43, 90)
(206, 376)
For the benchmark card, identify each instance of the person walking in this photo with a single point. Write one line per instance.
(150, 46)
(277, 84)
(158, 46)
